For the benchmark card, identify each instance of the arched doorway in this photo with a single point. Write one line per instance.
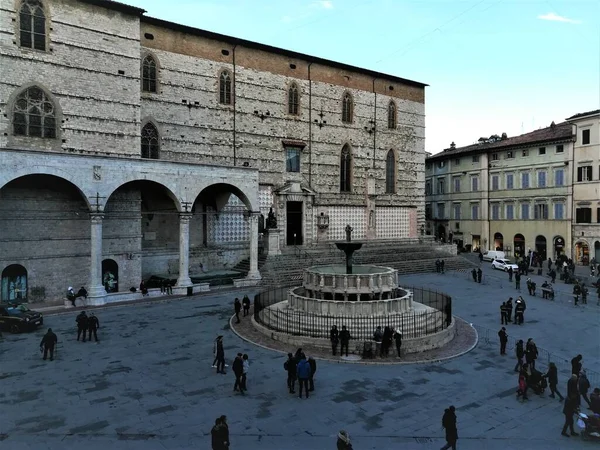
(519, 245)
(559, 246)
(582, 253)
(498, 242)
(540, 247)
(597, 251)
(441, 233)
(110, 275)
(14, 283)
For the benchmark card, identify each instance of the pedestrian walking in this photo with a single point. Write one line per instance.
(503, 340)
(568, 410)
(531, 353)
(220, 355)
(584, 387)
(290, 367)
(449, 423)
(334, 337)
(238, 370)
(343, 441)
(519, 352)
(518, 281)
(510, 274)
(522, 389)
(344, 339)
(576, 293)
(93, 325)
(214, 364)
(82, 323)
(503, 314)
(576, 365)
(313, 369)
(442, 264)
(474, 275)
(552, 376)
(220, 434)
(246, 305)
(238, 307)
(48, 343)
(437, 266)
(246, 367)
(573, 388)
(303, 371)
(479, 275)
(398, 339)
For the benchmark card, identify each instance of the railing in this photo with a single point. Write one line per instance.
(489, 337)
(412, 324)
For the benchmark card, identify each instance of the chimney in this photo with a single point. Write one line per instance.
(452, 146)
(504, 136)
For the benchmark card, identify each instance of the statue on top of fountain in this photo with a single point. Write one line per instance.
(349, 231)
(271, 219)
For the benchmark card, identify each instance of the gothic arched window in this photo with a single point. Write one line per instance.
(390, 173)
(347, 108)
(34, 114)
(150, 142)
(392, 116)
(346, 169)
(149, 74)
(225, 88)
(32, 25)
(293, 99)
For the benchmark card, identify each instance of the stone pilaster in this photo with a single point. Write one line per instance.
(184, 250)
(96, 291)
(253, 273)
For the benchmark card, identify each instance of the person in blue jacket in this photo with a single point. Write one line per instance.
(303, 373)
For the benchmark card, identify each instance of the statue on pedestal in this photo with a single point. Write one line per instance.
(348, 231)
(271, 219)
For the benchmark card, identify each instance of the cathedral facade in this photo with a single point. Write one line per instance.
(131, 146)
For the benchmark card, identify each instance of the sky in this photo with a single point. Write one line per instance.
(492, 66)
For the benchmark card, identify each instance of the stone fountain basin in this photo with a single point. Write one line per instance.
(365, 279)
(349, 246)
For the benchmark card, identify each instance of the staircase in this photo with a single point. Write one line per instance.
(288, 268)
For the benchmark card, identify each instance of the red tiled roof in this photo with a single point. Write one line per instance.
(560, 132)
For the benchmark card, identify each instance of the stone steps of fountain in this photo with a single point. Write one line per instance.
(412, 325)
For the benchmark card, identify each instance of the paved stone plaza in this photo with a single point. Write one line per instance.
(148, 383)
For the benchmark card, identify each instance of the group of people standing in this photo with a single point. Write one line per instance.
(506, 311)
(87, 325)
(240, 365)
(301, 369)
(385, 338)
(238, 306)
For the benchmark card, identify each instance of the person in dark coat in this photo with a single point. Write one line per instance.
(246, 305)
(518, 280)
(386, 342)
(290, 367)
(474, 275)
(595, 401)
(503, 314)
(449, 423)
(503, 340)
(303, 371)
(82, 324)
(238, 307)
(93, 325)
(238, 370)
(479, 275)
(47, 344)
(576, 365)
(584, 386)
(509, 309)
(334, 337)
(552, 376)
(313, 369)
(568, 410)
(398, 339)
(531, 353)
(143, 288)
(510, 274)
(220, 434)
(343, 441)
(519, 352)
(220, 355)
(344, 339)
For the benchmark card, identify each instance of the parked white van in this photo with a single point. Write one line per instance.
(492, 255)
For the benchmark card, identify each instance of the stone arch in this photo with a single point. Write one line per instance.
(47, 23)
(12, 175)
(391, 171)
(346, 158)
(582, 251)
(519, 245)
(157, 71)
(13, 283)
(498, 241)
(225, 188)
(170, 189)
(110, 275)
(347, 107)
(597, 251)
(558, 246)
(541, 247)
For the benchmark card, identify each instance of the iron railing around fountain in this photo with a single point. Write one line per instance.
(413, 324)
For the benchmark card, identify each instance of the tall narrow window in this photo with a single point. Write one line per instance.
(149, 74)
(150, 146)
(346, 170)
(347, 108)
(392, 116)
(32, 25)
(34, 114)
(390, 173)
(225, 88)
(293, 99)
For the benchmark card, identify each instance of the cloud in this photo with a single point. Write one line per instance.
(323, 4)
(553, 17)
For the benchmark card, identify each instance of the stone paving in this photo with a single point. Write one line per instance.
(148, 384)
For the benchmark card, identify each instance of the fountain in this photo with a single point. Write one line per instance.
(360, 297)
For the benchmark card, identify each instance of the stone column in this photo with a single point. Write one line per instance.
(96, 292)
(184, 250)
(253, 273)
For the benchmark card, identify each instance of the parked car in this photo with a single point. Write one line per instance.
(504, 264)
(19, 318)
(491, 255)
